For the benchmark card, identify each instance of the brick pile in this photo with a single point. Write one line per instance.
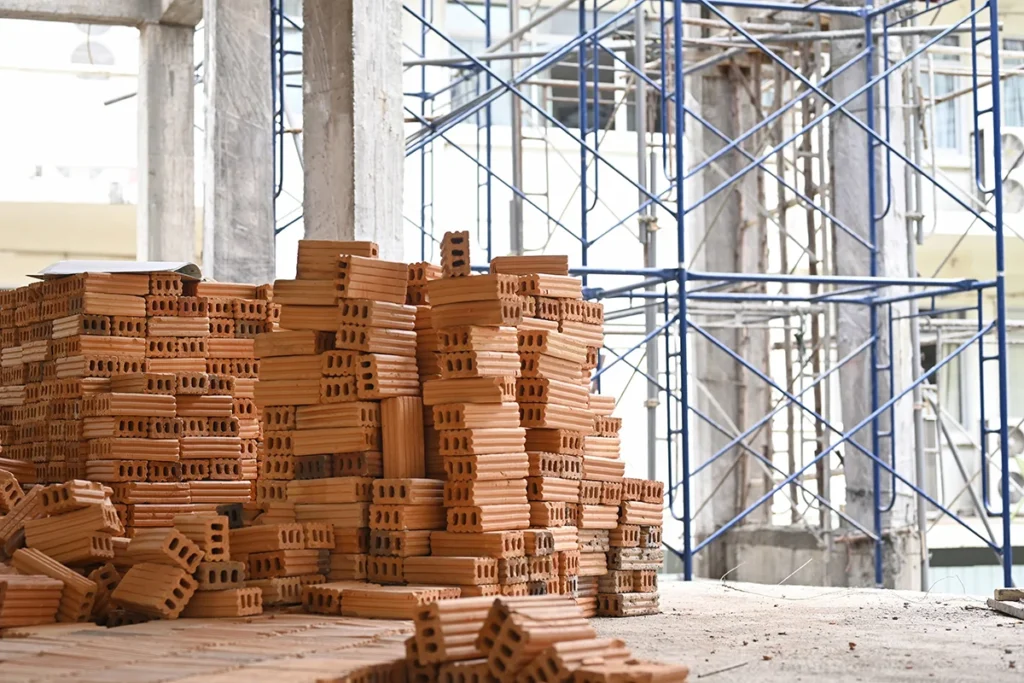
(340, 393)
(538, 639)
(141, 381)
(75, 552)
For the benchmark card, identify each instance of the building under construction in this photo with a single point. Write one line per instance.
(803, 222)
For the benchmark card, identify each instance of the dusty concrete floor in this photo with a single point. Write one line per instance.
(797, 633)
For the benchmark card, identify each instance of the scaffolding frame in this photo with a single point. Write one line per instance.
(670, 292)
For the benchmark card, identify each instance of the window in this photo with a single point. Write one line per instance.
(1013, 86)
(564, 93)
(947, 133)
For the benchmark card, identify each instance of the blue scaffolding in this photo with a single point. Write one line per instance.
(671, 291)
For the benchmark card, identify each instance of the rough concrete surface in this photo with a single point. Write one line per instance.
(800, 633)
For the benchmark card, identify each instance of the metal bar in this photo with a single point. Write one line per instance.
(846, 437)
(784, 405)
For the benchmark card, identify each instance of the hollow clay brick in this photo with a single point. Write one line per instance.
(334, 439)
(66, 526)
(280, 563)
(640, 513)
(282, 368)
(625, 536)
(560, 441)
(483, 441)
(122, 405)
(590, 492)
(79, 593)
(325, 598)
(593, 564)
(359, 277)
(470, 571)
(217, 576)
(331, 490)
(310, 292)
(400, 543)
(293, 392)
(348, 566)
(106, 579)
(233, 602)
(208, 532)
(503, 312)
(165, 546)
(602, 405)
(318, 536)
(286, 590)
(627, 604)
(485, 492)
(467, 364)
(293, 343)
(361, 464)
(553, 416)
(553, 264)
(408, 491)
(484, 467)
(475, 390)
(476, 338)
(406, 517)
(353, 540)
(266, 538)
(11, 492)
(339, 514)
(475, 415)
(488, 518)
(56, 499)
(156, 590)
(455, 256)
(537, 366)
(359, 414)
(553, 489)
(650, 537)
(385, 570)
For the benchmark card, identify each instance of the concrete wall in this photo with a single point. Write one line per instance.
(775, 555)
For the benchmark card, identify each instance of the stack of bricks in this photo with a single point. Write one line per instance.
(544, 639)
(630, 587)
(480, 441)
(554, 409)
(142, 381)
(340, 393)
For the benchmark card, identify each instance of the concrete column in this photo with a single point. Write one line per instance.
(166, 203)
(733, 235)
(849, 160)
(352, 129)
(238, 217)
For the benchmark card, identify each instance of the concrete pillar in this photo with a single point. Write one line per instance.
(849, 161)
(238, 217)
(166, 203)
(352, 129)
(733, 235)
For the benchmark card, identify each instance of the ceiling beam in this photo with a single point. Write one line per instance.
(181, 12)
(109, 12)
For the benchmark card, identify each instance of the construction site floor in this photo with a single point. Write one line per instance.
(723, 632)
(801, 633)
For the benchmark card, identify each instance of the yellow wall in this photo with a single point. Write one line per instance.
(34, 235)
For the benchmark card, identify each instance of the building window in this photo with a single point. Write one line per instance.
(947, 133)
(1013, 86)
(564, 92)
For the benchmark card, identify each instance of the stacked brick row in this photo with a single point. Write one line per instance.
(141, 381)
(340, 393)
(476, 421)
(554, 408)
(630, 586)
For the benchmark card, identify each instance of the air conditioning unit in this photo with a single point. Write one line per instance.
(1012, 143)
(995, 474)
